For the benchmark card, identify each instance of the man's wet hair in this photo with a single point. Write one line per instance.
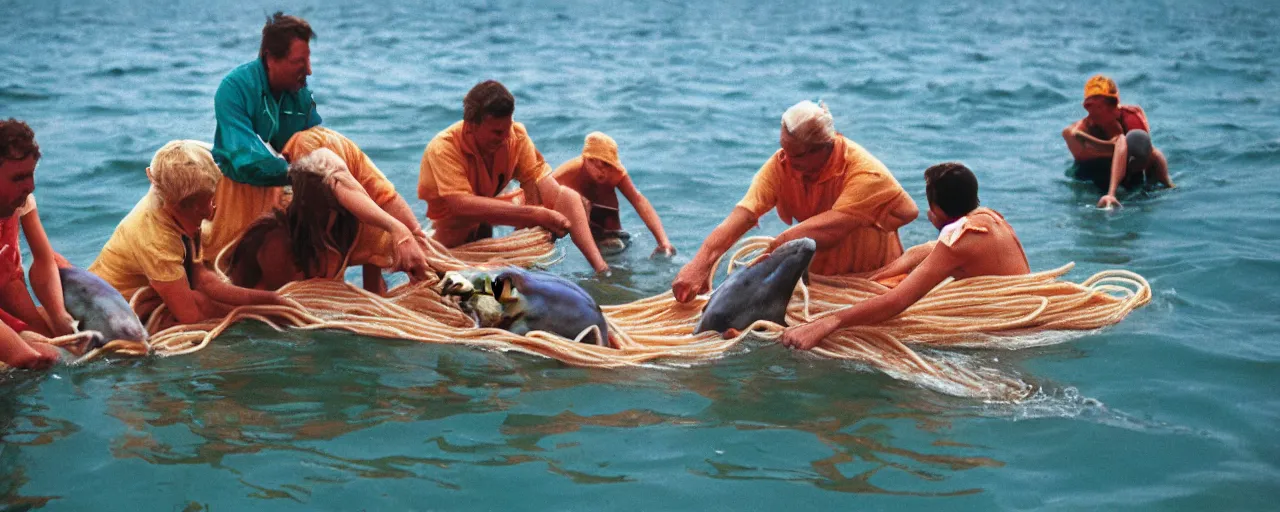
(17, 141)
(952, 187)
(487, 99)
(280, 31)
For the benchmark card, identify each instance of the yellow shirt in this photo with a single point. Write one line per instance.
(852, 182)
(451, 165)
(303, 143)
(147, 246)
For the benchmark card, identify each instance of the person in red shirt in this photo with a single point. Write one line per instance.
(1112, 144)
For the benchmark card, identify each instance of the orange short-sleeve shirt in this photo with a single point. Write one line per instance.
(853, 182)
(371, 179)
(451, 165)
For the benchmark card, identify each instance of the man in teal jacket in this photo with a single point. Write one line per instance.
(258, 107)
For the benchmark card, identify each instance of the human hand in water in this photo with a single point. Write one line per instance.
(1109, 201)
(37, 356)
(553, 221)
(664, 250)
(807, 336)
(690, 282)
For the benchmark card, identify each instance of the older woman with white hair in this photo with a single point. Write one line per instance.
(842, 196)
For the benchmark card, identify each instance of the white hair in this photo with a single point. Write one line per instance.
(323, 162)
(809, 122)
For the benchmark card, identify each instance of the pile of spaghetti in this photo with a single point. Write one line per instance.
(983, 312)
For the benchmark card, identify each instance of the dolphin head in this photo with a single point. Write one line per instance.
(544, 302)
(759, 292)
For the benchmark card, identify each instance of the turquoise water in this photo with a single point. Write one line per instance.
(1174, 408)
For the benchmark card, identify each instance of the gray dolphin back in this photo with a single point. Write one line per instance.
(99, 307)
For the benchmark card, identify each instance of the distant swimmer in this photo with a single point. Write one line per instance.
(598, 175)
(974, 241)
(1112, 144)
(842, 196)
(466, 166)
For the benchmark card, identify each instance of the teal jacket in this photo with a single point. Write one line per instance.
(249, 118)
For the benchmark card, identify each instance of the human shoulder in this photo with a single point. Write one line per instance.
(518, 131)
(245, 76)
(859, 160)
(446, 137)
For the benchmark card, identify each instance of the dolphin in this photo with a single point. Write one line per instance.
(97, 306)
(758, 292)
(540, 301)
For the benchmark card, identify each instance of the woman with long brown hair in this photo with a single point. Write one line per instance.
(314, 236)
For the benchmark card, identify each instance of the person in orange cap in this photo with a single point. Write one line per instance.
(1112, 144)
(597, 174)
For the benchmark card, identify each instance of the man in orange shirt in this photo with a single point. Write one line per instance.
(466, 167)
(844, 198)
(1112, 145)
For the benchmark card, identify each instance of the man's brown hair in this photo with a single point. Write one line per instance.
(280, 31)
(952, 187)
(17, 141)
(488, 98)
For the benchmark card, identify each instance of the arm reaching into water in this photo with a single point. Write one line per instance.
(694, 276)
(409, 255)
(648, 215)
(568, 203)
(939, 265)
(44, 275)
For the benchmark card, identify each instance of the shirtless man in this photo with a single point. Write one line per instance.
(974, 242)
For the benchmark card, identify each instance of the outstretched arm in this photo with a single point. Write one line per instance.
(693, 277)
(44, 275)
(409, 255)
(647, 214)
(935, 268)
(472, 209)
(215, 288)
(16, 352)
(568, 202)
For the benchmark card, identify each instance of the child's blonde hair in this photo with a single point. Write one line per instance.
(182, 169)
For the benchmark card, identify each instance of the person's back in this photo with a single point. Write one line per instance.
(986, 245)
(973, 241)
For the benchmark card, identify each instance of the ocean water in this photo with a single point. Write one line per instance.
(1175, 408)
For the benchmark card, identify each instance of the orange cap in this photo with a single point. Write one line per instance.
(602, 147)
(1100, 85)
